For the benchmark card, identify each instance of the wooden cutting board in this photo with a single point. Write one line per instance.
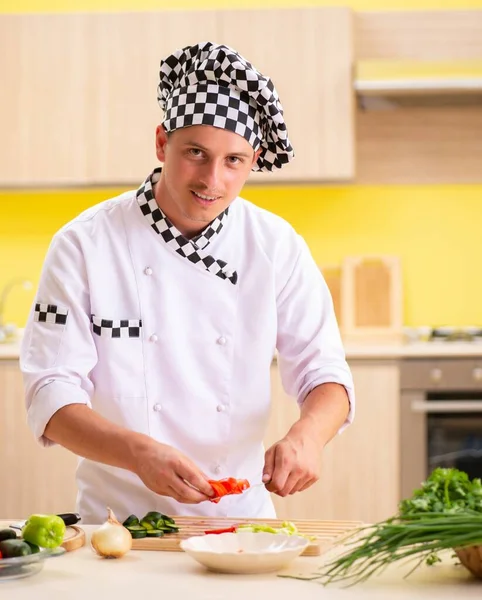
(326, 532)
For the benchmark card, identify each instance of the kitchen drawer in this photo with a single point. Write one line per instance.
(441, 374)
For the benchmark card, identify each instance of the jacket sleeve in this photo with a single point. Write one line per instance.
(310, 350)
(58, 351)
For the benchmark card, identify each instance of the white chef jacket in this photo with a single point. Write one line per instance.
(198, 375)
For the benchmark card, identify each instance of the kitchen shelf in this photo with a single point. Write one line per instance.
(380, 84)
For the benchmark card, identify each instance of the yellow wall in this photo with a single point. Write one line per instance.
(35, 6)
(435, 230)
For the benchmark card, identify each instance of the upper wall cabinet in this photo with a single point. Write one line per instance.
(46, 89)
(79, 100)
(308, 53)
(79, 94)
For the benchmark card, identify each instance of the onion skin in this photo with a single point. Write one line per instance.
(111, 539)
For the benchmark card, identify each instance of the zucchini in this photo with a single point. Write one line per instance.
(155, 533)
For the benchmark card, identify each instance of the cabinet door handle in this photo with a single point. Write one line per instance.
(436, 374)
(477, 374)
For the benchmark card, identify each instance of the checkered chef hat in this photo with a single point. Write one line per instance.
(211, 84)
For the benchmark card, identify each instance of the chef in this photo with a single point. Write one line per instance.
(148, 348)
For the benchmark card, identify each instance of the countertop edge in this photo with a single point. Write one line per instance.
(359, 351)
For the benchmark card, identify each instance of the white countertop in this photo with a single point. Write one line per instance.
(81, 574)
(414, 350)
(10, 351)
(360, 351)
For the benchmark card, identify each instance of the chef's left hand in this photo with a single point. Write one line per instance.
(293, 464)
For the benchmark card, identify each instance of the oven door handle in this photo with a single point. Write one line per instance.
(445, 406)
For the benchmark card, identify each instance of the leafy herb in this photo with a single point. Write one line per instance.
(446, 490)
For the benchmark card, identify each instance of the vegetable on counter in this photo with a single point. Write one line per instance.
(422, 534)
(444, 513)
(153, 524)
(7, 534)
(287, 527)
(46, 531)
(446, 490)
(226, 487)
(14, 548)
(39, 531)
(112, 539)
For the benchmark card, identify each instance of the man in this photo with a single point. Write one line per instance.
(148, 347)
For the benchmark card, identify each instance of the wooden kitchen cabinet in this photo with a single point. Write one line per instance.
(80, 90)
(360, 473)
(34, 479)
(308, 53)
(129, 48)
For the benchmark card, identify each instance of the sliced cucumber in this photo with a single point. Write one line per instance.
(137, 535)
(169, 528)
(131, 520)
(155, 533)
(168, 519)
(153, 516)
(148, 524)
(137, 531)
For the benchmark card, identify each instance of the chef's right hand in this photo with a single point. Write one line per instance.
(167, 472)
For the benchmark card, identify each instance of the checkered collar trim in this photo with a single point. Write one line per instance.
(192, 249)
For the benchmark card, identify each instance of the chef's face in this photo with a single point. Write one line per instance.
(204, 170)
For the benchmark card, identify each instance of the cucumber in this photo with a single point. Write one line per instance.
(168, 519)
(153, 515)
(7, 534)
(131, 520)
(14, 548)
(137, 531)
(148, 524)
(155, 533)
(167, 527)
(35, 549)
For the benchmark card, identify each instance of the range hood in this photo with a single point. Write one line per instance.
(385, 85)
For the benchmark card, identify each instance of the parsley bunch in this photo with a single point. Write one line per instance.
(445, 491)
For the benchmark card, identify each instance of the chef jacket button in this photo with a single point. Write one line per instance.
(153, 338)
(157, 407)
(148, 271)
(222, 340)
(220, 408)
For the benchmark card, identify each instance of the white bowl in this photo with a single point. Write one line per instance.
(244, 552)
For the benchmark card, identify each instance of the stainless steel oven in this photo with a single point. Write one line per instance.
(441, 417)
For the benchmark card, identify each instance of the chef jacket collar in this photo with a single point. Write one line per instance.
(192, 249)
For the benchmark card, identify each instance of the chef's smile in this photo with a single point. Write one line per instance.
(205, 199)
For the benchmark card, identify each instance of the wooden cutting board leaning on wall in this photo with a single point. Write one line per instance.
(367, 297)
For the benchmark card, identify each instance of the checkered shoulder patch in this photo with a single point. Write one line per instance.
(119, 328)
(50, 313)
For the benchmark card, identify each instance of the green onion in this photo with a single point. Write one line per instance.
(399, 538)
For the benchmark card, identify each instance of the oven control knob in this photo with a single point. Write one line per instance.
(477, 373)
(436, 374)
